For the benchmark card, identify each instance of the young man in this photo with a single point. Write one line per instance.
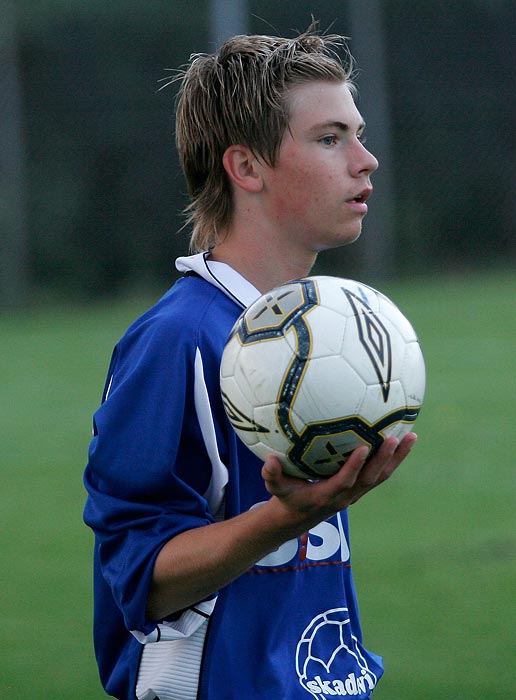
(217, 577)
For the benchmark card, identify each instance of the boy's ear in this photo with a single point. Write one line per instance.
(243, 168)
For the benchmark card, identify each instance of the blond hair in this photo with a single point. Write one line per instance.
(238, 97)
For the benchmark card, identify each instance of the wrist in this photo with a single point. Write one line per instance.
(283, 523)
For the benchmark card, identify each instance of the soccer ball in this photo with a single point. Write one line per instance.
(317, 367)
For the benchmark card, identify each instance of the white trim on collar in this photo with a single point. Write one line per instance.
(221, 276)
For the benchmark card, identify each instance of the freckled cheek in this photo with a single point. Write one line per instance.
(293, 203)
(296, 194)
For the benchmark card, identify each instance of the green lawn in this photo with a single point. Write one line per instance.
(434, 549)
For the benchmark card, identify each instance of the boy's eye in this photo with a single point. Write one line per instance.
(328, 140)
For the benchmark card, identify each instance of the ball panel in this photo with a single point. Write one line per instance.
(396, 319)
(260, 367)
(325, 454)
(413, 374)
(314, 401)
(229, 358)
(323, 343)
(398, 430)
(273, 310)
(335, 293)
(266, 416)
(375, 407)
(240, 412)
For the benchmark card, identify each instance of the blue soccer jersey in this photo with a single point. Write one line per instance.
(164, 459)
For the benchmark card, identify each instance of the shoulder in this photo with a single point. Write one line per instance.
(192, 314)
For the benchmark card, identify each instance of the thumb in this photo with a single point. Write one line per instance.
(271, 469)
(272, 474)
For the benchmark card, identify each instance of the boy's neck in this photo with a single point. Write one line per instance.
(263, 266)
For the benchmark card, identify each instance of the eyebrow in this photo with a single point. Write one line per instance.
(341, 126)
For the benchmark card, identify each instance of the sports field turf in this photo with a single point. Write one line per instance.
(434, 549)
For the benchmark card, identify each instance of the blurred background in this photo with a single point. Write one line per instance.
(90, 216)
(91, 192)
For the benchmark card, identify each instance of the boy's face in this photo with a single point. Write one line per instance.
(315, 194)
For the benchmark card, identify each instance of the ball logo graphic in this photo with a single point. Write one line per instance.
(329, 662)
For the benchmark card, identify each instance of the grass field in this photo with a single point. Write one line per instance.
(434, 549)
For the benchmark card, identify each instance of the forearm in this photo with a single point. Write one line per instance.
(198, 562)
